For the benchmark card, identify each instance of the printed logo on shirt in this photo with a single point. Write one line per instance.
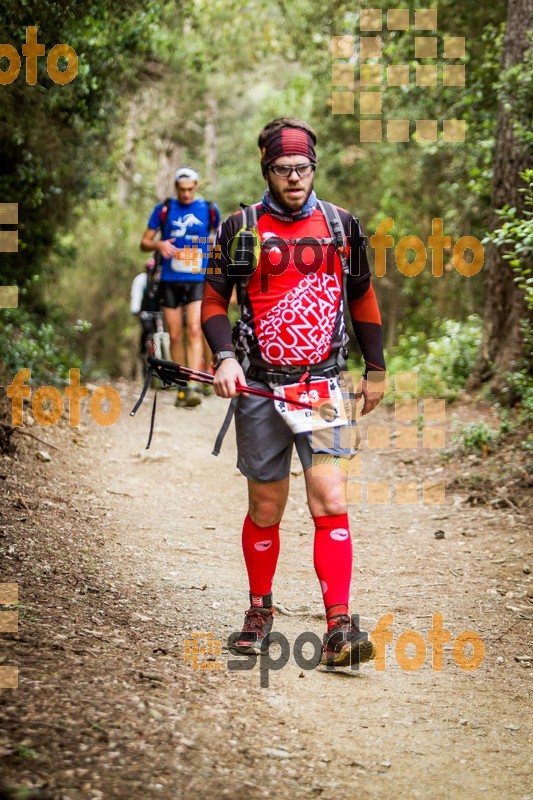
(264, 545)
(298, 328)
(339, 534)
(181, 224)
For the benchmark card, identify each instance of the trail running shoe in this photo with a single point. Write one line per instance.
(257, 625)
(181, 396)
(188, 397)
(345, 645)
(193, 397)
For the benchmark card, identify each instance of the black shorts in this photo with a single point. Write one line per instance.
(174, 294)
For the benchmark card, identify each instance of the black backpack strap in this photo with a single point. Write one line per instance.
(230, 413)
(249, 221)
(338, 237)
(224, 427)
(164, 214)
(336, 229)
(212, 215)
(145, 388)
(134, 410)
(251, 216)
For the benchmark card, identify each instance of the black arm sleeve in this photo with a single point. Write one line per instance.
(362, 301)
(218, 288)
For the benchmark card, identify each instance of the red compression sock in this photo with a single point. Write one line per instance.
(333, 562)
(261, 549)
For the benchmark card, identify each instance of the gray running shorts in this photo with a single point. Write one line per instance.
(265, 441)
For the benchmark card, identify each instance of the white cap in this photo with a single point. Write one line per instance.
(186, 174)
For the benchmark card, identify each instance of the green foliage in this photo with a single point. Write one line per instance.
(412, 182)
(26, 752)
(66, 147)
(97, 267)
(52, 136)
(53, 139)
(515, 237)
(521, 385)
(443, 360)
(45, 347)
(19, 794)
(514, 425)
(475, 437)
(515, 90)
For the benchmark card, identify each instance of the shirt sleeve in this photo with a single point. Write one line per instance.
(362, 301)
(155, 218)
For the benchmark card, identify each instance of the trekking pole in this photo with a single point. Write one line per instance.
(182, 373)
(169, 372)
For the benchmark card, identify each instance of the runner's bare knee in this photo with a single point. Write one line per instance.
(326, 489)
(266, 502)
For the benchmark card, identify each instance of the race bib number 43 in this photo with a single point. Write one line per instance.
(323, 394)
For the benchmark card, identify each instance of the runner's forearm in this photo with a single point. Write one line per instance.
(215, 322)
(366, 321)
(148, 245)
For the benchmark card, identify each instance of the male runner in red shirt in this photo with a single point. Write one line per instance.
(292, 331)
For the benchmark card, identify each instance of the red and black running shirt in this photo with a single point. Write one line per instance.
(293, 309)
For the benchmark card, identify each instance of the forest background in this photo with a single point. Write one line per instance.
(165, 84)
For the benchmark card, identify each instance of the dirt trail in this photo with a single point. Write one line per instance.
(167, 562)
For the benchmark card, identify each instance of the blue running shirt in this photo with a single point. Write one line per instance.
(190, 225)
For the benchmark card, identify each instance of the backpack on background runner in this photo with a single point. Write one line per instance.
(150, 299)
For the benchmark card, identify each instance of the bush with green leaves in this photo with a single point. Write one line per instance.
(521, 385)
(46, 348)
(475, 437)
(515, 237)
(443, 360)
(55, 138)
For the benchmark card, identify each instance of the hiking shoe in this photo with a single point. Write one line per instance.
(257, 625)
(193, 397)
(345, 645)
(181, 397)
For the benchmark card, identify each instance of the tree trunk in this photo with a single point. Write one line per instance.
(169, 161)
(211, 142)
(138, 107)
(502, 347)
(125, 178)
